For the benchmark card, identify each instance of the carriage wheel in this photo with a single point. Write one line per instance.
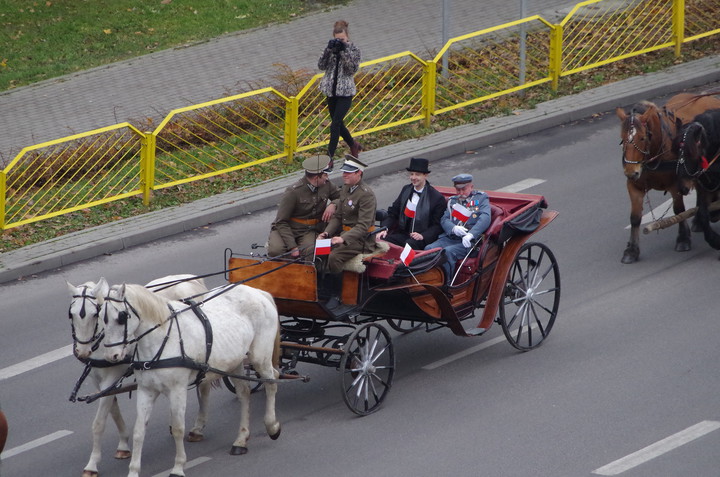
(367, 367)
(404, 326)
(531, 297)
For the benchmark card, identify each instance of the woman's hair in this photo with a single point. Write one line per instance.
(340, 27)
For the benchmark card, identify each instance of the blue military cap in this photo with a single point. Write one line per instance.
(462, 179)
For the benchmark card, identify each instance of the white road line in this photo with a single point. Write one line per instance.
(189, 464)
(36, 362)
(33, 444)
(462, 354)
(661, 447)
(665, 209)
(522, 185)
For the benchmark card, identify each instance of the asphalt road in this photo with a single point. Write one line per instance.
(629, 369)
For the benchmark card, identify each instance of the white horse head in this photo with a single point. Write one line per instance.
(83, 314)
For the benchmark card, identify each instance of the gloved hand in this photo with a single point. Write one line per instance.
(467, 240)
(459, 230)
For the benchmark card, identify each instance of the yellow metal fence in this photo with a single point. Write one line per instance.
(237, 132)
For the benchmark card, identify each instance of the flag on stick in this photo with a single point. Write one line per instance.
(407, 255)
(410, 208)
(461, 213)
(322, 247)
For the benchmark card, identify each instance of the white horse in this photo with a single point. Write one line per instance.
(243, 322)
(87, 330)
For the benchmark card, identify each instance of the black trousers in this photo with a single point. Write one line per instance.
(338, 107)
(401, 238)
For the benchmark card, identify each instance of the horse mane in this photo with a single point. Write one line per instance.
(150, 306)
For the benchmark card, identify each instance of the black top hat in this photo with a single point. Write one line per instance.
(418, 164)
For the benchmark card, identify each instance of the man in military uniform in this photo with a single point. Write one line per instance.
(303, 211)
(459, 234)
(349, 227)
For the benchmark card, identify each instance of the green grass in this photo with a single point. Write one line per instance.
(43, 39)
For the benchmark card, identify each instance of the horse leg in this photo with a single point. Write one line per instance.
(683, 241)
(203, 392)
(123, 448)
(272, 425)
(178, 403)
(242, 391)
(632, 252)
(98, 428)
(145, 401)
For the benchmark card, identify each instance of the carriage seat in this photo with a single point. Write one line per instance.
(387, 265)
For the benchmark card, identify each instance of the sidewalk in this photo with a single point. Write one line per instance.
(151, 86)
(56, 253)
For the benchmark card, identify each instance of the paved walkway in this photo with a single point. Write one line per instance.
(152, 85)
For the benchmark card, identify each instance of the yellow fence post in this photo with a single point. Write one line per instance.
(291, 127)
(3, 189)
(555, 60)
(678, 27)
(147, 166)
(429, 84)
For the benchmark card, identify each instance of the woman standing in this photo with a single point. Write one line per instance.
(340, 61)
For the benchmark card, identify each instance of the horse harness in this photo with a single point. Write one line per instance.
(182, 361)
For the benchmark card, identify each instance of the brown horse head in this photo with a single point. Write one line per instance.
(645, 138)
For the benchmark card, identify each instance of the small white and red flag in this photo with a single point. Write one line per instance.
(410, 208)
(461, 213)
(322, 247)
(407, 255)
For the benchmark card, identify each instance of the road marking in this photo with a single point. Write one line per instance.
(661, 447)
(36, 362)
(665, 209)
(189, 464)
(464, 353)
(522, 185)
(33, 444)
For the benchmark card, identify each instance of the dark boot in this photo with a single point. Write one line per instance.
(333, 284)
(356, 148)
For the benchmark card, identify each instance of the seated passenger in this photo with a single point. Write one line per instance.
(303, 211)
(414, 217)
(349, 227)
(463, 224)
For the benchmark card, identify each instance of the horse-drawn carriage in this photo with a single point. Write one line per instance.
(183, 332)
(513, 282)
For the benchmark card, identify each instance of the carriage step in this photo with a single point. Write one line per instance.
(475, 331)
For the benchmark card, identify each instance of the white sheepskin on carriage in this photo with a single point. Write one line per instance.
(357, 265)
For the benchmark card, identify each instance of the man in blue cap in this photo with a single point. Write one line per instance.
(466, 217)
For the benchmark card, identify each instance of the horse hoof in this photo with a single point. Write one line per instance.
(89, 473)
(175, 475)
(195, 437)
(238, 450)
(629, 258)
(122, 454)
(275, 435)
(682, 247)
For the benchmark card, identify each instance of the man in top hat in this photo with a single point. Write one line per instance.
(349, 227)
(303, 211)
(414, 217)
(462, 225)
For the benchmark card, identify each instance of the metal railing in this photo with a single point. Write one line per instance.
(242, 131)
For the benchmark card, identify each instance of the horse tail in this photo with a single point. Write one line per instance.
(276, 351)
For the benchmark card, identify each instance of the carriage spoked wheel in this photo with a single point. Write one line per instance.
(367, 366)
(404, 326)
(530, 297)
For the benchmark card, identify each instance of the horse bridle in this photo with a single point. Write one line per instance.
(646, 153)
(96, 337)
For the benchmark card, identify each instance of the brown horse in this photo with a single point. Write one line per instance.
(646, 135)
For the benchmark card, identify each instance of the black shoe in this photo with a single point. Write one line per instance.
(333, 303)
